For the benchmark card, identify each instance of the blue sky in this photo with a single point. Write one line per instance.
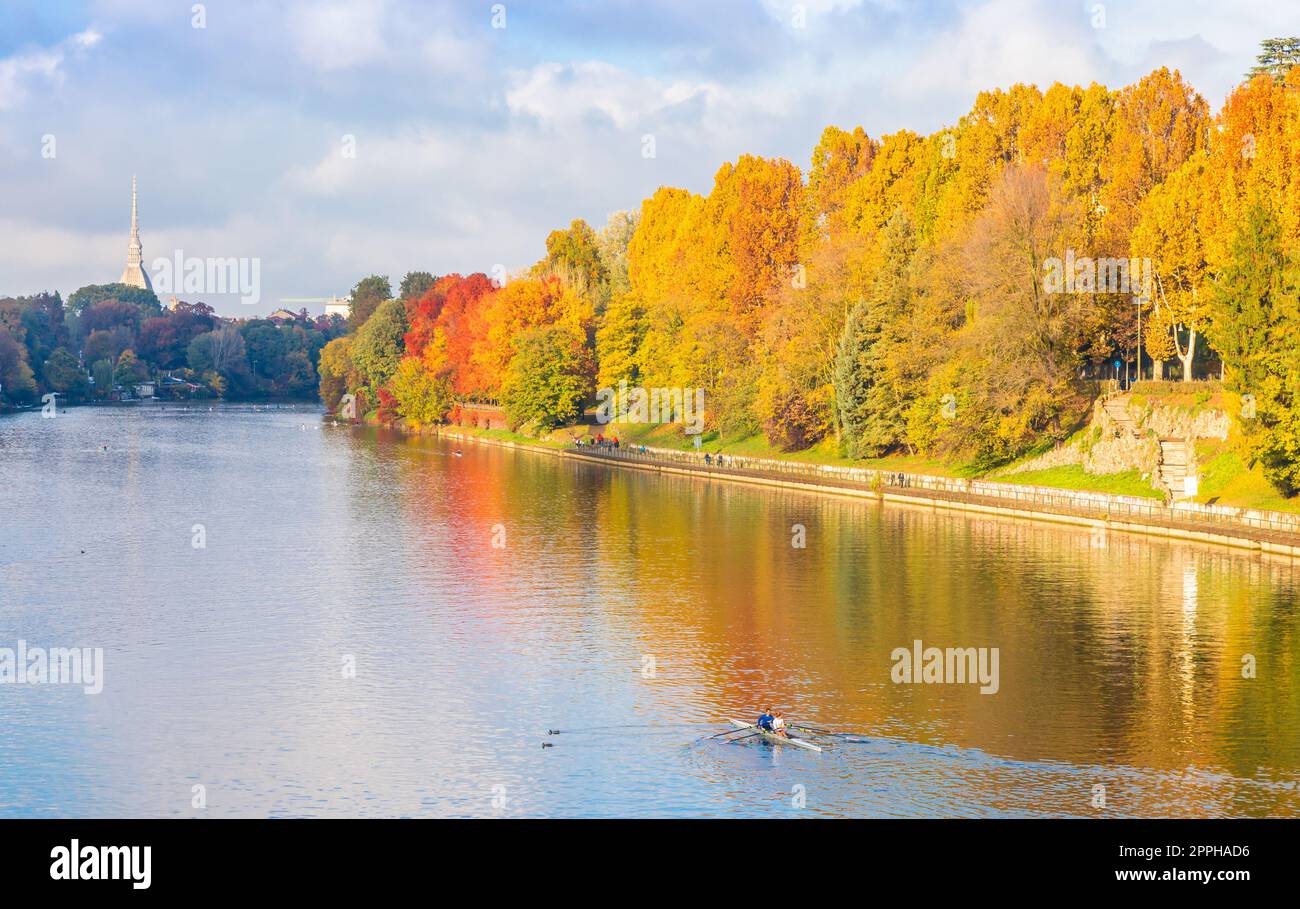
(472, 142)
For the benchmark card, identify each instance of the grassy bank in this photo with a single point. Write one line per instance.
(561, 438)
(1225, 479)
(756, 446)
(1072, 476)
(1129, 483)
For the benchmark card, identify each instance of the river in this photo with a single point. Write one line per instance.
(306, 619)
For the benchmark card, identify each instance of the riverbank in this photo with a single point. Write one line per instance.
(1274, 533)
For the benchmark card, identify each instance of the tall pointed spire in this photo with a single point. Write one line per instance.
(134, 274)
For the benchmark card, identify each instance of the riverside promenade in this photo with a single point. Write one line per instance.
(1266, 531)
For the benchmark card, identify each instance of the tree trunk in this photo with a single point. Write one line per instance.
(1191, 353)
(1158, 370)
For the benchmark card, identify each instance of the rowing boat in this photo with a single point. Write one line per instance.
(776, 739)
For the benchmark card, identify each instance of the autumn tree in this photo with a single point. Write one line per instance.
(377, 348)
(545, 382)
(366, 296)
(129, 370)
(840, 158)
(524, 304)
(338, 374)
(1158, 124)
(421, 386)
(664, 253)
(618, 341)
(463, 321)
(1253, 151)
(1012, 381)
(796, 352)
(415, 284)
(889, 184)
(756, 205)
(576, 251)
(612, 243)
(1170, 235)
(64, 374)
(17, 382)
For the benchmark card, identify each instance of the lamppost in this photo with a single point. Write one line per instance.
(1139, 299)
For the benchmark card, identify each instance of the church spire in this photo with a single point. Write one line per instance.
(135, 215)
(134, 274)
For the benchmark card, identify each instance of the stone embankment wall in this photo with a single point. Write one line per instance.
(1184, 423)
(1122, 437)
(480, 416)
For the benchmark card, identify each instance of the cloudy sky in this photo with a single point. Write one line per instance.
(472, 141)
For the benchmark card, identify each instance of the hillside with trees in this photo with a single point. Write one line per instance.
(109, 339)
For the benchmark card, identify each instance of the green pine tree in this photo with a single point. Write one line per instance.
(872, 408)
(1256, 322)
(850, 380)
(1276, 57)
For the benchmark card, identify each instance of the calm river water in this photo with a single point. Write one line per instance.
(630, 611)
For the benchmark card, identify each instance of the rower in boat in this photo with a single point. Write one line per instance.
(765, 719)
(769, 733)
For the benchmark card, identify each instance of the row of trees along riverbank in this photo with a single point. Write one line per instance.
(895, 299)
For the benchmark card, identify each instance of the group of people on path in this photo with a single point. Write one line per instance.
(613, 444)
(610, 444)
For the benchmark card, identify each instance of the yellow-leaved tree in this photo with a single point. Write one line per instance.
(1170, 236)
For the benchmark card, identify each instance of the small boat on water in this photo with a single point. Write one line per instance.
(774, 738)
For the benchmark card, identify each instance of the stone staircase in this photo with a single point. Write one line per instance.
(1177, 457)
(1116, 407)
(1175, 462)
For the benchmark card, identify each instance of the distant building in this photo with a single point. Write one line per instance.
(144, 390)
(134, 274)
(333, 305)
(171, 387)
(283, 315)
(338, 307)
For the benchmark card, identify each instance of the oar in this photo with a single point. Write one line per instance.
(731, 731)
(811, 728)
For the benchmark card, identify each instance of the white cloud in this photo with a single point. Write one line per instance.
(415, 155)
(86, 39)
(30, 247)
(784, 10)
(1002, 42)
(564, 93)
(338, 34)
(18, 72)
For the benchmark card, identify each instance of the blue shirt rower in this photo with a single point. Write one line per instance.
(765, 719)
